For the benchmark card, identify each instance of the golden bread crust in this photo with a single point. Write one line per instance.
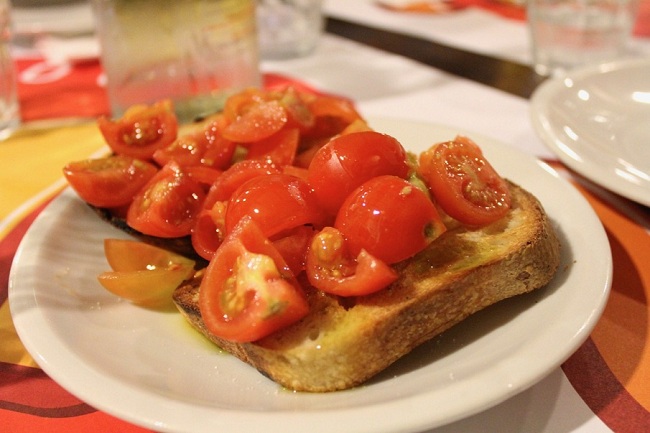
(342, 343)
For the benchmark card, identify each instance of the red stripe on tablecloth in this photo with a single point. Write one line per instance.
(603, 393)
(29, 390)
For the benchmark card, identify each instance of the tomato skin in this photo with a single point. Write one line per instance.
(280, 148)
(293, 246)
(186, 150)
(332, 115)
(259, 121)
(235, 176)
(168, 205)
(141, 130)
(348, 160)
(205, 147)
(108, 182)
(209, 230)
(276, 202)
(331, 269)
(390, 218)
(464, 183)
(248, 291)
(204, 175)
(126, 255)
(143, 274)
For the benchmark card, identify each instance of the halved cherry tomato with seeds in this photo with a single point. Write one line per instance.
(248, 291)
(464, 183)
(332, 269)
(141, 130)
(109, 182)
(168, 205)
(298, 112)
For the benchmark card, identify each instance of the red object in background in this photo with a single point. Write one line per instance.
(50, 91)
(60, 90)
(642, 26)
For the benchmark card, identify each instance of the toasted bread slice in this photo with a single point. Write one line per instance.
(344, 342)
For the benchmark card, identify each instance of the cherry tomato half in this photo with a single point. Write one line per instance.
(390, 218)
(168, 205)
(293, 246)
(109, 182)
(276, 202)
(143, 274)
(142, 129)
(280, 148)
(259, 121)
(349, 160)
(209, 230)
(231, 179)
(247, 291)
(332, 269)
(464, 183)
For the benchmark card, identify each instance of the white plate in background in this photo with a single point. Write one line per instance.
(597, 121)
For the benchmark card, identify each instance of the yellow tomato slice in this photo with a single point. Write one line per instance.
(130, 255)
(142, 273)
(146, 287)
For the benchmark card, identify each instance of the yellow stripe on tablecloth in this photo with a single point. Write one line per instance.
(12, 350)
(32, 160)
(30, 171)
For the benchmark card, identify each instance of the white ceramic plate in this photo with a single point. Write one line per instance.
(597, 121)
(152, 369)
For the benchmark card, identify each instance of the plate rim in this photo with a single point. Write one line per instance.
(538, 113)
(315, 419)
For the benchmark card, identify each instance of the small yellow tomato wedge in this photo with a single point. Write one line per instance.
(145, 287)
(142, 273)
(130, 255)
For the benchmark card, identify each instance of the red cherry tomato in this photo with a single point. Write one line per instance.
(390, 218)
(186, 151)
(142, 130)
(204, 175)
(298, 112)
(209, 230)
(168, 205)
(276, 202)
(332, 269)
(464, 183)
(349, 160)
(108, 182)
(293, 246)
(332, 115)
(235, 176)
(205, 147)
(247, 291)
(259, 121)
(280, 148)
